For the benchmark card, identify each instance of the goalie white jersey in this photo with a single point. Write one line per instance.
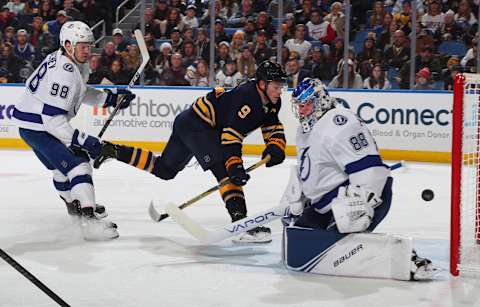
(338, 151)
(53, 95)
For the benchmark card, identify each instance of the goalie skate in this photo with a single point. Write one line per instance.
(95, 229)
(422, 268)
(258, 235)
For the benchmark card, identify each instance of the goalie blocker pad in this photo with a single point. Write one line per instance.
(356, 255)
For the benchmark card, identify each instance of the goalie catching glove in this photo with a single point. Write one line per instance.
(118, 95)
(353, 208)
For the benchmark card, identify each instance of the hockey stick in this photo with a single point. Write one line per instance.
(145, 58)
(157, 217)
(212, 236)
(32, 278)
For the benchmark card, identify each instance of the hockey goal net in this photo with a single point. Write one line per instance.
(465, 209)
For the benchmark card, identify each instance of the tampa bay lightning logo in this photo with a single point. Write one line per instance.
(68, 67)
(305, 164)
(340, 120)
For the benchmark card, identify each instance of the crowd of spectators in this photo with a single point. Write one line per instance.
(245, 31)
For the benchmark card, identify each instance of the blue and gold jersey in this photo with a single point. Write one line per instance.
(236, 113)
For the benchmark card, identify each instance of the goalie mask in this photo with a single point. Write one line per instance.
(310, 100)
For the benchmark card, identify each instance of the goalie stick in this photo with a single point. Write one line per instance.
(212, 236)
(157, 217)
(145, 58)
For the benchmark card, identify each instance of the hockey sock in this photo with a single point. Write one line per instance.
(137, 157)
(234, 200)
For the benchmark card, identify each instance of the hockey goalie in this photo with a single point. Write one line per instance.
(338, 193)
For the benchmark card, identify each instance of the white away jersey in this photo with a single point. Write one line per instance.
(55, 89)
(338, 146)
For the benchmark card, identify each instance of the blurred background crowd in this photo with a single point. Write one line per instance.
(380, 35)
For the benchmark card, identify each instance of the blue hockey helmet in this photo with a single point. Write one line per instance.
(310, 100)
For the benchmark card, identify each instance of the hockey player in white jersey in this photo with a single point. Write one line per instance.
(53, 94)
(339, 192)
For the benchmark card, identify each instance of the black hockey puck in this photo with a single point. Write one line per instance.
(427, 195)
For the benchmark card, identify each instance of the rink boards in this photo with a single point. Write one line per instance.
(408, 125)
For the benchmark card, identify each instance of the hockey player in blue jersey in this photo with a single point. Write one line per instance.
(338, 193)
(53, 94)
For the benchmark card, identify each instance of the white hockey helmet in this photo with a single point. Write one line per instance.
(311, 91)
(76, 32)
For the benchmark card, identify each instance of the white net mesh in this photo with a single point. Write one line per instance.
(470, 174)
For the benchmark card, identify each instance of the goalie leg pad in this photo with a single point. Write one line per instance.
(357, 255)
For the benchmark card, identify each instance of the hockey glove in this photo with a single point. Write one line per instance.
(113, 98)
(86, 143)
(237, 174)
(277, 155)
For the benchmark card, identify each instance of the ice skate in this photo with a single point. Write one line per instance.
(422, 268)
(95, 229)
(258, 235)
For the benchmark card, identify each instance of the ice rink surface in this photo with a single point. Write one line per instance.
(159, 264)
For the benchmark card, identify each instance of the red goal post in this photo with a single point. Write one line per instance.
(465, 196)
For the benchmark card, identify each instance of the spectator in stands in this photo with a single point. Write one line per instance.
(9, 35)
(398, 7)
(117, 74)
(175, 74)
(197, 74)
(11, 63)
(222, 56)
(23, 49)
(15, 6)
(469, 61)
(261, 50)
(424, 39)
(241, 17)
(205, 19)
(187, 33)
(203, 45)
(289, 27)
(249, 30)
(368, 56)
(299, 44)
(54, 26)
(176, 40)
(386, 37)
(151, 25)
(423, 81)
(377, 79)
(36, 30)
(188, 53)
(246, 63)
(238, 40)
(424, 59)
(132, 59)
(376, 20)
(317, 66)
(190, 19)
(285, 54)
(152, 49)
(450, 30)
(7, 19)
(163, 60)
(45, 45)
(354, 79)
(229, 9)
(403, 18)
(71, 11)
(397, 54)
(32, 7)
(229, 75)
(449, 76)
(302, 16)
(288, 6)
(119, 40)
(220, 35)
(161, 10)
(46, 11)
(108, 55)
(178, 4)
(464, 15)
(336, 18)
(336, 54)
(173, 21)
(263, 22)
(319, 30)
(295, 74)
(434, 17)
(96, 72)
